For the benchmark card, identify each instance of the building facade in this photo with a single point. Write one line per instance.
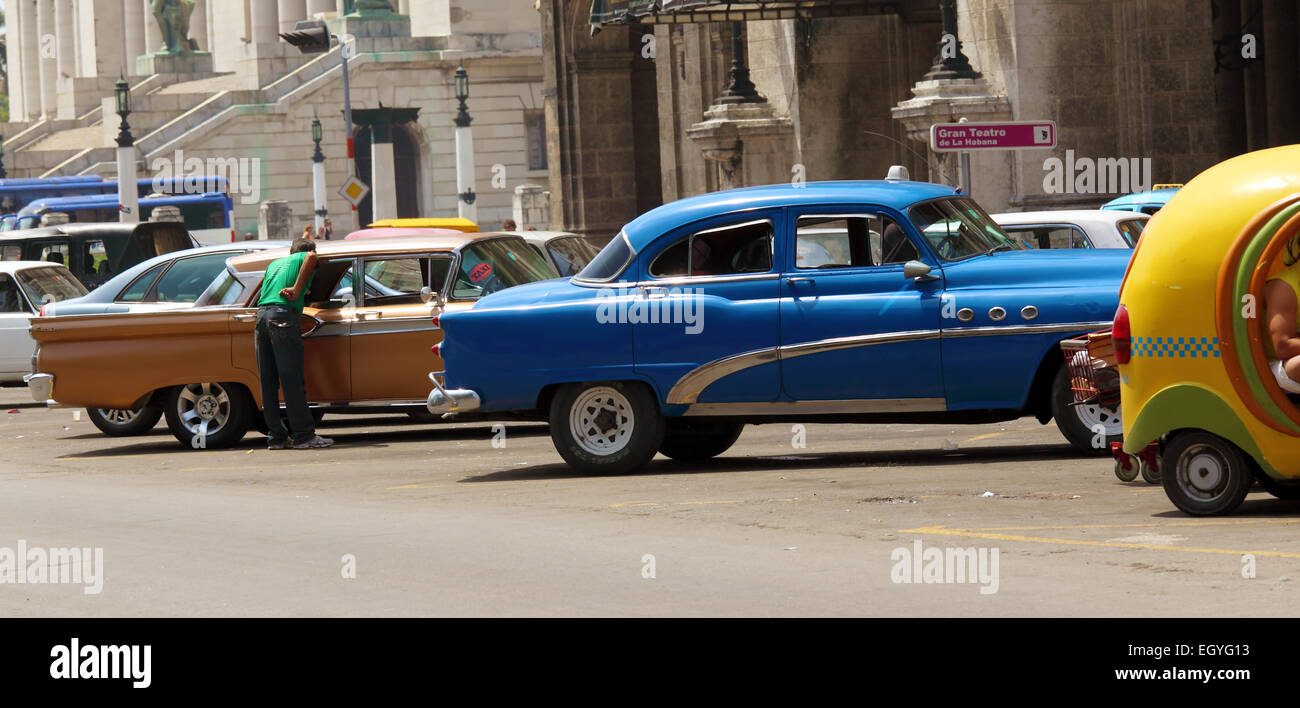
(638, 112)
(242, 94)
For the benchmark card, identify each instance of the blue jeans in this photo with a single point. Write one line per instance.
(279, 364)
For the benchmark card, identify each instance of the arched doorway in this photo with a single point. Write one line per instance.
(406, 152)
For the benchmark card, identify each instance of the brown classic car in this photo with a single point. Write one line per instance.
(368, 331)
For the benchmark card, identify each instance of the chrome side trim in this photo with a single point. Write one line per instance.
(689, 387)
(865, 405)
(1023, 329)
(791, 351)
(687, 390)
(704, 280)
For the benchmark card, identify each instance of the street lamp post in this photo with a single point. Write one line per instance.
(3, 173)
(318, 175)
(314, 37)
(464, 151)
(128, 198)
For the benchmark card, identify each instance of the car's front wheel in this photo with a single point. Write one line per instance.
(688, 440)
(124, 422)
(1090, 427)
(611, 427)
(209, 415)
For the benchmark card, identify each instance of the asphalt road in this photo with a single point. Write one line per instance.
(436, 520)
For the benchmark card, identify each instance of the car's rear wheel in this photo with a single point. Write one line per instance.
(689, 440)
(209, 415)
(611, 427)
(124, 422)
(1203, 474)
(1089, 427)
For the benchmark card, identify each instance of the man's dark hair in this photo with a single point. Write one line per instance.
(302, 244)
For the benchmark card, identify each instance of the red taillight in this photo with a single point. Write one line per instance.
(1120, 337)
(42, 312)
(232, 235)
(436, 349)
(437, 320)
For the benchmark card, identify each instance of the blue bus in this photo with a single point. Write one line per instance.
(18, 193)
(208, 216)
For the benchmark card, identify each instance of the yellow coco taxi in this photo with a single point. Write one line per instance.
(1191, 335)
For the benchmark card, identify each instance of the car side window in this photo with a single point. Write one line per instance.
(188, 278)
(12, 252)
(726, 250)
(1050, 236)
(10, 299)
(136, 291)
(398, 281)
(850, 241)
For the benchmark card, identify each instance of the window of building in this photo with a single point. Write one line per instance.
(535, 135)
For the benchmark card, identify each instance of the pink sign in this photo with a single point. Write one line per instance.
(1013, 135)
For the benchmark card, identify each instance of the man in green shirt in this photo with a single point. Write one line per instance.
(279, 349)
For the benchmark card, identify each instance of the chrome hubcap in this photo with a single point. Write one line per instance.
(601, 421)
(203, 408)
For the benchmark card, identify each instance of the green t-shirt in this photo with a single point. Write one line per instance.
(280, 274)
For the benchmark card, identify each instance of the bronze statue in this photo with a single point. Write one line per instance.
(174, 20)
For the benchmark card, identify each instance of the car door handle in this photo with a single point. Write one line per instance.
(654, 292)
(370, 315)
(796, 281)
(245, 318)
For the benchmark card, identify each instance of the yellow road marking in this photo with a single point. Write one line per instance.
(417, 485)
(251, 468)
(987, 534)
(725, 501)
(620, 505)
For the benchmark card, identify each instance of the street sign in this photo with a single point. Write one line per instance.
(1012, 135)
(354, 190)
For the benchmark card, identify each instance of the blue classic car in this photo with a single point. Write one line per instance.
(864, 301)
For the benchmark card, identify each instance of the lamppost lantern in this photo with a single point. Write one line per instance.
(122, 91)
(462, 95)
(122, 94)
(317, 135)
(462, 83)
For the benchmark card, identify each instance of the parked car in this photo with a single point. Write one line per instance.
(25, 286)
(698, 318)
(172, 281)
(95, 252)
(568, 252)
(368, 329)
(1074, 229)
(1148, 202)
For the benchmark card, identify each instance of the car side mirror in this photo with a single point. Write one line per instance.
(427, 295)
(918, 271)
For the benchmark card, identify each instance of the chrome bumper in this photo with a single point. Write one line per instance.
(41, 387)
(445, 403)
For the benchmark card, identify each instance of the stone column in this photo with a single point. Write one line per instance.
(47, 50)
(65, 39)
(133, 31)
(152, 32)
(383, 181)
(290, 11)
(19, 37)
(199, 26)
(266, 22)
(318, 6)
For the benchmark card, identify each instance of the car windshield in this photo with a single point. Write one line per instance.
(497, 264)
(958, 228)
(46, 285)
(611, 261)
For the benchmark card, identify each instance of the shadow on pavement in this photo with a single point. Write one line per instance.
(810, 460)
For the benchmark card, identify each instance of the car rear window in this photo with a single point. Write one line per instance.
(611, 261)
